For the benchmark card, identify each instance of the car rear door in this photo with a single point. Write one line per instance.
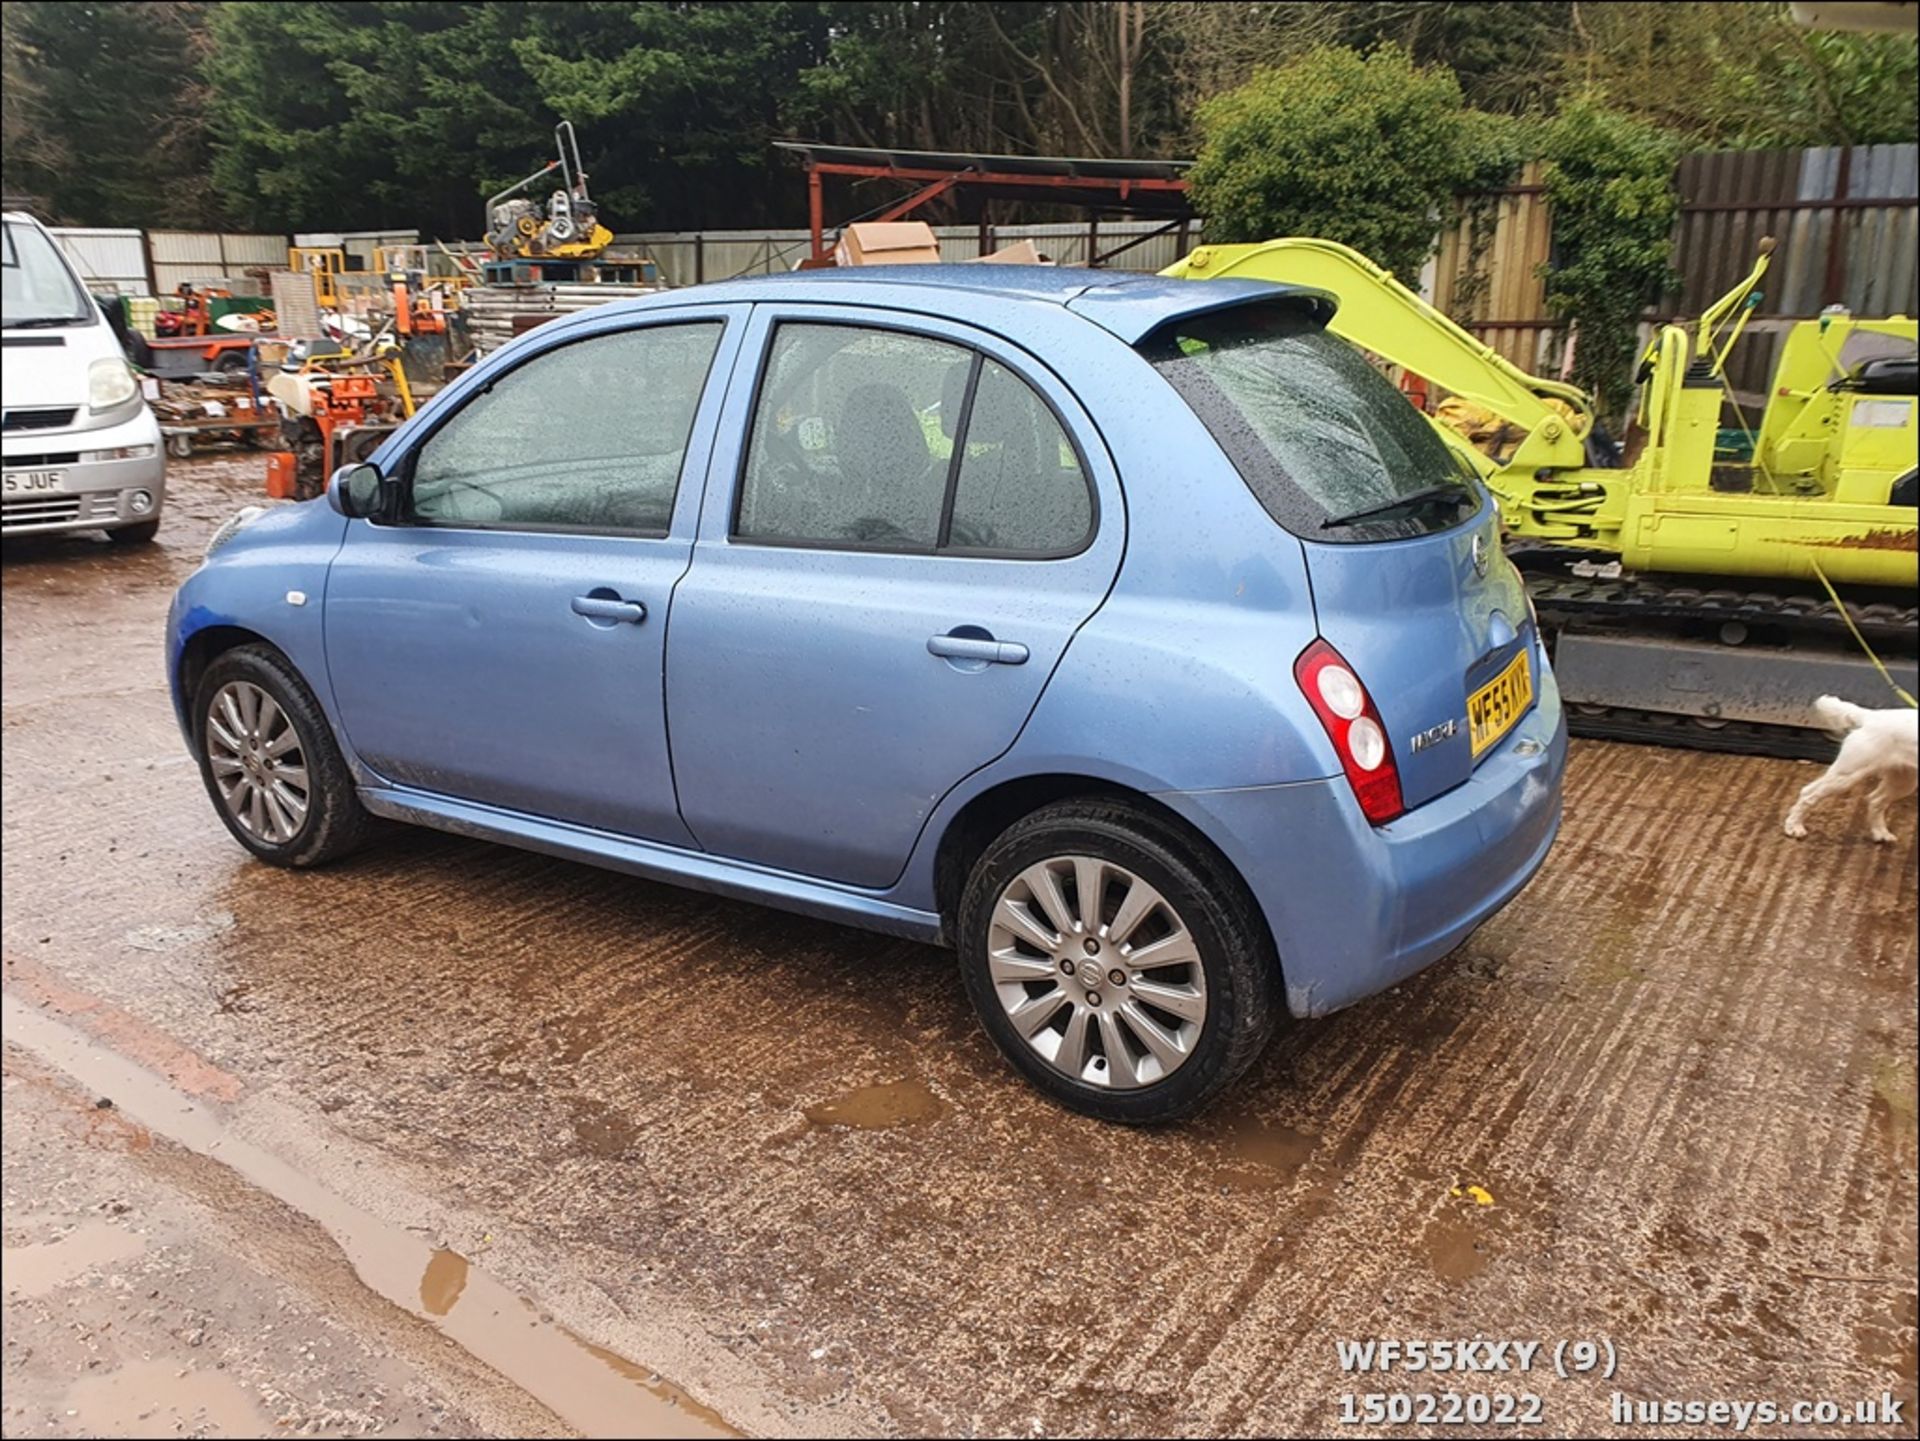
(503, 640)
(906, 522)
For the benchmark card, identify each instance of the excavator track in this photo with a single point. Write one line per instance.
(1666, 602)
(1729, 613)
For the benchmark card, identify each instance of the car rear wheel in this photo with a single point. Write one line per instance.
(270, 763)
(1117, 965)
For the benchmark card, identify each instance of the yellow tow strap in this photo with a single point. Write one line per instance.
(1879, 665)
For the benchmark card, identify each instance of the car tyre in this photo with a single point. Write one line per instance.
(141, 534)
(1111, 984)
(292, 802)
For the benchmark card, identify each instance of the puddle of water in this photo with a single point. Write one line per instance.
(707, 1421)
(36, 1270)
(1263, 1157)
(1449, 1243)
(577, 1381)
(149, 1398)
(442, 1282)
(879, 1108)
(600, 1132)
(1892, 1104)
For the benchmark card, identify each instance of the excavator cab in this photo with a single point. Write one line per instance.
(1842, 417)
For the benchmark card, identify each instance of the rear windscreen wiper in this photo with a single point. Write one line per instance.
(1458, 494)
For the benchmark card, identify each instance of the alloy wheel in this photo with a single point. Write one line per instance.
(1097, 972)
(257, 762)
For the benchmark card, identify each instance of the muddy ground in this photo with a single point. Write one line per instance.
(498, 1144)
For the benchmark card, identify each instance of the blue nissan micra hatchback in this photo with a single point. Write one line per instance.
(1132, 636)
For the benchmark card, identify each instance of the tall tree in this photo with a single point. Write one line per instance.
(1502, 52)
(103, 112)
(412, 111)
(1742, 75)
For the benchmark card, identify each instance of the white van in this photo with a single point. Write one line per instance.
(81, 448)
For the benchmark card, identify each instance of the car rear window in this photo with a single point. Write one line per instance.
(1317, 433)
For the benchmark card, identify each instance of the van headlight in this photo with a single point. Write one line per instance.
(110, 384)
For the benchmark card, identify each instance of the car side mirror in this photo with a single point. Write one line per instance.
(354, 490)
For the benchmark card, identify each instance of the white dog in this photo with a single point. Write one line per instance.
(1882, 746)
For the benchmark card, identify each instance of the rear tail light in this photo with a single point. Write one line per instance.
(1353, 725)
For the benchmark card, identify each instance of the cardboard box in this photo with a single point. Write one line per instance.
(898, 242)
(1021, 252)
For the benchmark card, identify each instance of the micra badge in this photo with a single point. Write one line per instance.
(1427, 739)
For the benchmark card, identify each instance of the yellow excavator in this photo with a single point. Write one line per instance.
(1691, 597)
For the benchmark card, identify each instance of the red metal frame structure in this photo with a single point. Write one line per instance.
(1145, 187)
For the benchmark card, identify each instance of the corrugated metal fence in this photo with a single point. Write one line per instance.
(142, 262)
(193, 255)
(108, 261)
(1845, 221)
(687, 257)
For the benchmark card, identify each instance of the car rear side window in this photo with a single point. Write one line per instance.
(869, 439)
(1326, 442)
(1021, 489)
(589, 436)
(846, 446)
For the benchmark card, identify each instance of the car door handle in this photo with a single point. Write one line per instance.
(601, 607)
(967, 647)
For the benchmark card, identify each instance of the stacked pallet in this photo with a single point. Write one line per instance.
(497, 313)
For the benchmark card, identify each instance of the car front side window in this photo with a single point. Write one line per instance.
(589, 436)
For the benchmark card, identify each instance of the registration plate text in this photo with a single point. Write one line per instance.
(25, 482)
(1493, 709)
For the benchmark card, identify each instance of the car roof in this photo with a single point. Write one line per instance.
(1128, 304)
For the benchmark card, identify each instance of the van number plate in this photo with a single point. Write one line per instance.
(1493, 709)
(25, 482)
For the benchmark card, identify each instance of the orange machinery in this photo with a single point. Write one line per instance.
(336, 411)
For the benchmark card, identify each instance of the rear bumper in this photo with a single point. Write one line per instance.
(91, 494)
(1355, 908)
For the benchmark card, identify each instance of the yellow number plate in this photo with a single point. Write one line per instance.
(1492, 710)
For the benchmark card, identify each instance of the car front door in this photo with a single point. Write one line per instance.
(905, 524)
(500, 638)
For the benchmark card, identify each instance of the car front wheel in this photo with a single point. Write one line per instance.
(270, 763)
(1115, 962)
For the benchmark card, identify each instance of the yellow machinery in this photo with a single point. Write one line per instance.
(323, 263)
(1689, 596)
(566, 227)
